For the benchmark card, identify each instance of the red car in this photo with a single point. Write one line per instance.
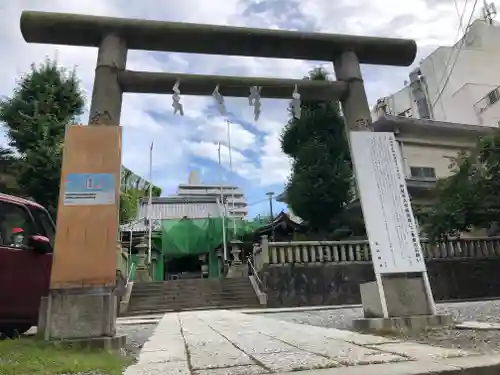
(26, 238)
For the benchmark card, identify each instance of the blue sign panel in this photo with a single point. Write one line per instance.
(89, 189)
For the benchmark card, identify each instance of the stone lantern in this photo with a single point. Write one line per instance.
(141, 270)
(237, 269)
(236, 251)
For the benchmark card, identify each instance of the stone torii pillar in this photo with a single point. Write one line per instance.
(106, 104)
(115, 36)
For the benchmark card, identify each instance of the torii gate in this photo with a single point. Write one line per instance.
(114, 37)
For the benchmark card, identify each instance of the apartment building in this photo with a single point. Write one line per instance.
(455, 84)
(233, 196)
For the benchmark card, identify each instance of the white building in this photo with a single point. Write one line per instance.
(233, 196)
(458, 84)
(428, 149)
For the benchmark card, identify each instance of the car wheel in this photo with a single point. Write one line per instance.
(14, 331)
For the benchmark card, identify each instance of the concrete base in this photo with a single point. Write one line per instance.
(237, 270)
(479, 326)
(125, 301)
(398, 324)
(114, 343)
(78, 314)
(259, 293)
(404, 296)
(142, 274)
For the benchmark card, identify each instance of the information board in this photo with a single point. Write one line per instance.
(89, 189)
(388, 216)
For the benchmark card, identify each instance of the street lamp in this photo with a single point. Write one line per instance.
(270, 196)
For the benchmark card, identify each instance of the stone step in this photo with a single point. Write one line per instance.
(195, 291)
(160, 297)
(200, 286)
(194, 302)
(206, 283)
(186, 281)
(190, 308)
(198, 294)
(197, 304)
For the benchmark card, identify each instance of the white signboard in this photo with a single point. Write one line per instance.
(89, 189)
(389, 220)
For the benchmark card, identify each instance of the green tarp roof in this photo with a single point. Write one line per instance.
(197, 236)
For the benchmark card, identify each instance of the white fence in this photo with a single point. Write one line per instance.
(311, 252)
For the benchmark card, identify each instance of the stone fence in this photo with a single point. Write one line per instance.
(329, 272)
(310, 252)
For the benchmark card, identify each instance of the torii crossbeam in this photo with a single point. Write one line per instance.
(115, 36)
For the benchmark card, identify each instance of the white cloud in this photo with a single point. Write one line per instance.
(274, 164)
(215, 129)
(241, 164)
(256, 152)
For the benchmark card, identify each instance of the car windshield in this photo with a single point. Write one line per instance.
(14, 219)
(44, 223)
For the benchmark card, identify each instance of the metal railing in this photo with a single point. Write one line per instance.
(132, 266)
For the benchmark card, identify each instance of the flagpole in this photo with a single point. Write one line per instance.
(223, 207)
(231, 170)
(150, 201)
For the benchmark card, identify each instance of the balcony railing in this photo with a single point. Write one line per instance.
(316, 252)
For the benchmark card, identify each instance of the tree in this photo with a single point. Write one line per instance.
(8, 162)
(133, 188)
(469, 197)
(45, 101)
(319, 186)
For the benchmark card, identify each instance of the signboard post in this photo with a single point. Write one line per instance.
(387, 211)
(81, 302)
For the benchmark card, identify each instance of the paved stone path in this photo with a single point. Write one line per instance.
(225, 342)
(482, 341)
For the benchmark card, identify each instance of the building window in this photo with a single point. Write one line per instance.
(406, 113)
(493, 97)
(423, 172)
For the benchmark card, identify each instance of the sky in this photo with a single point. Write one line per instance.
(190, 142)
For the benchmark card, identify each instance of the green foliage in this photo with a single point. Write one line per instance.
(133, 188)
(320, 183)
(469, 197)
(36, 115)
(45, 101)
(128, 205)
(264, 219)
(29, 356)
(8, 164)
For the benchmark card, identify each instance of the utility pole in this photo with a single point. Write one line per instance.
(150, 202)
(489, 12)
(223, 207)
(229, 122)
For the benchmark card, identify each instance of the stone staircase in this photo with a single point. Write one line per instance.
(191, 294)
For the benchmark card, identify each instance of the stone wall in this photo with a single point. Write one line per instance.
(337, 284)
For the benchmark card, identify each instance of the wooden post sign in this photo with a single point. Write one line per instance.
(87, 217)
